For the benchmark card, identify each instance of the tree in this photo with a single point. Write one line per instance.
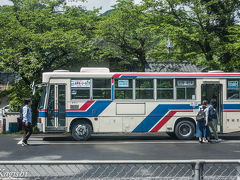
(126, 33)
(234, 48)
(200, 29)
(36, 37)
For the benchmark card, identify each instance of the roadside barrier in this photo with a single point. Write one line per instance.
(174, 170)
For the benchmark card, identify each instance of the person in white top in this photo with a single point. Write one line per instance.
(27, 120)
(202, 123)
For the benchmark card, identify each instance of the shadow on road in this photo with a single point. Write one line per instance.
(134, 137)
(112, 138)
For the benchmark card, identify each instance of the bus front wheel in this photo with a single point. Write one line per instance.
(81, 131)
(185, 130)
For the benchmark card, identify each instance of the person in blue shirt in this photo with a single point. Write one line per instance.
(212, 116)
(27, 120)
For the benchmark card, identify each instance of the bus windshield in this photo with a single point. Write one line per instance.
(43, 97)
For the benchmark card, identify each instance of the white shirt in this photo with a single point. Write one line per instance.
(206, 110)
(27, 114)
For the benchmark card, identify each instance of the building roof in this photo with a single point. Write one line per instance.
(154, 66)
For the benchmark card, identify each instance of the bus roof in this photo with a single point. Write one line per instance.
(105, 73)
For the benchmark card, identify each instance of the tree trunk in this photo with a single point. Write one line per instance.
(142, 61)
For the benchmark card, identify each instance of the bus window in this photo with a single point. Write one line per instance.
(165, 88)
(144, 88)
(101, 88)
(80, 89)
(185, 88)
(123, 88)
(233, 90)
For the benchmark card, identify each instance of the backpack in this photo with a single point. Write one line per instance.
(201, 115)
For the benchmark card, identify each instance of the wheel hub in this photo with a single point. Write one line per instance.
(81, 130)
(185, 130)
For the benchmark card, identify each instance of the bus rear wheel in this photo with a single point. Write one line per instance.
(185, 130)
(81, 131)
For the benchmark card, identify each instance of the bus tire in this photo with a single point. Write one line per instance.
(184, 130)
(81, 131)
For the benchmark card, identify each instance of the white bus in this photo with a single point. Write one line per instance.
(96, 100)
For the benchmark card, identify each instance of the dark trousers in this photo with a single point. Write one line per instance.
(27, 132)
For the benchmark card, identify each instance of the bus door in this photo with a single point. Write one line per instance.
(56, 108)
(212, 90)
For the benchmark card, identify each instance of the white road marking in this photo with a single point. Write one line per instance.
(4, 154)
(37, 158)
(31, 138)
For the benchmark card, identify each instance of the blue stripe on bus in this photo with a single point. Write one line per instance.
(94, 111)
(157, 114)
(42, 114)
(129, 76)
(231, 106)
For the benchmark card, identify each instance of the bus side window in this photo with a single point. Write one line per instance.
(123, 89)
(101, 88)
(144, 89)
(165, 89)
(80, 88)
(233, 89)
(186, 88)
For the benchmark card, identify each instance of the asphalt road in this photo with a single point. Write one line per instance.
(115, 147)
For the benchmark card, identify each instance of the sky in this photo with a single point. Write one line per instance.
(91, 4)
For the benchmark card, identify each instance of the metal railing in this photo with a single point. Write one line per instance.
(174, 170)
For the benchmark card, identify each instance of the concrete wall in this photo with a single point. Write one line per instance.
(11, 117)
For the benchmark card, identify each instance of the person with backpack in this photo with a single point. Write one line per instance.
(27, 120)
(202, 123)
(212, 116)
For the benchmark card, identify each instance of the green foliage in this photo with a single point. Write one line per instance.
(234, 47)
(18, 93)
(126, 33)
(165, 83)
(123, 94)
(35, 130)
(200, 30)
(144, 83)
(35, 37)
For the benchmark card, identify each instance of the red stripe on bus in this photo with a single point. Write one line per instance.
(166, 119)
(172, 74)
(116, 75)
(86, 105)
(231, 110)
